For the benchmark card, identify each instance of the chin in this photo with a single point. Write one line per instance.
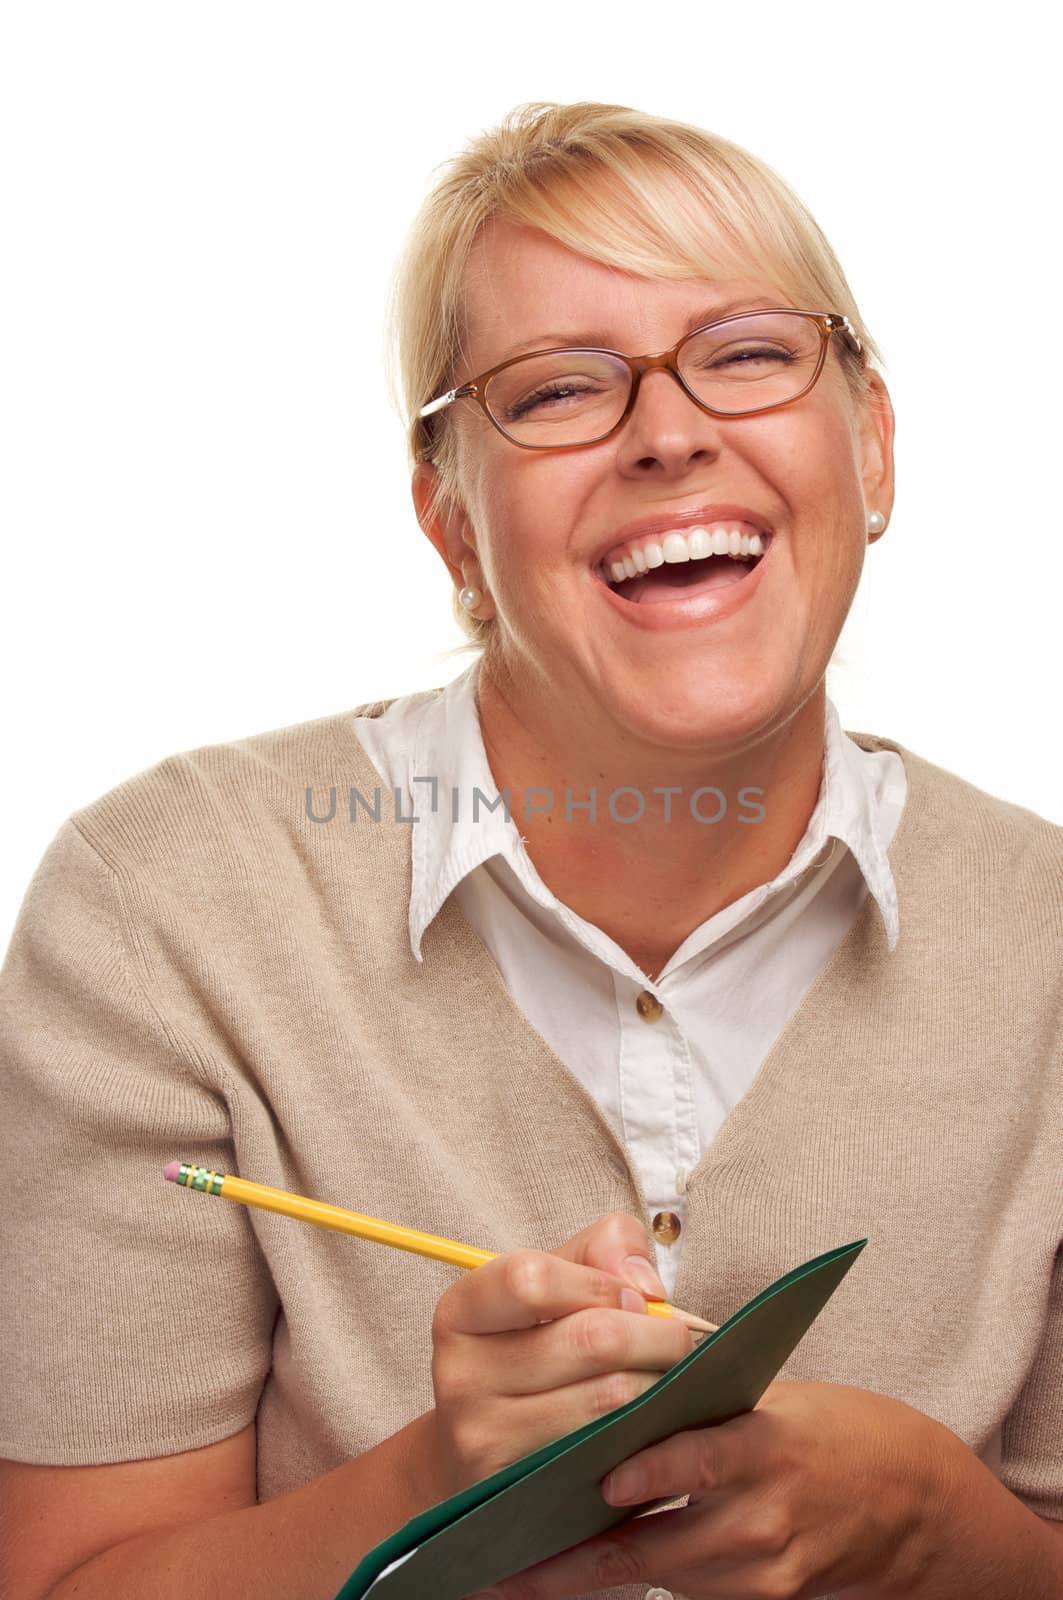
(695, 714)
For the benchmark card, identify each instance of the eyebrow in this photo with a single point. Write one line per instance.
(601, 341)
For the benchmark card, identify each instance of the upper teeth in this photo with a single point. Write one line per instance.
(690, 545)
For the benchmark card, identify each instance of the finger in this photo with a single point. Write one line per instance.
(697, 1461)
(620, 1244)
(587, 1345)
(539, 1419)
(525, 1288)
(675, 1550)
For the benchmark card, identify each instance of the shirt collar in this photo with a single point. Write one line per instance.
(448, 757)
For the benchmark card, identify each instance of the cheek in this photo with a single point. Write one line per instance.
(826, 499)
(529, 526)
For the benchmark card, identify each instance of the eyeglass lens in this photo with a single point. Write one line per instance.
(577, 396)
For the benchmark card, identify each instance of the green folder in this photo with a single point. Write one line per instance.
(551, 1500)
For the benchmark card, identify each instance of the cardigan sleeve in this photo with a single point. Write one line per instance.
(138, 1318)
(1032, 1437)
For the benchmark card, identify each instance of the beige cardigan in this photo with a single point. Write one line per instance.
(200, 972)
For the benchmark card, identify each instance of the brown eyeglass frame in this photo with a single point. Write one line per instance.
(827, 323)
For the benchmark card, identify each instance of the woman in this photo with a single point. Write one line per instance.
(670, 976)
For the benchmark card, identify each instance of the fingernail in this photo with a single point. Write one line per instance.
(642, 1275)
(631, 1300)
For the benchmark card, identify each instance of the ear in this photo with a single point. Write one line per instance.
(876, 427)
(448, 529)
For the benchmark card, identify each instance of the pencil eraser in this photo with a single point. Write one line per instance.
(171, 1171)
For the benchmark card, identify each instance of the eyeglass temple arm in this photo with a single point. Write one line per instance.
(447, 399)
(846, 327)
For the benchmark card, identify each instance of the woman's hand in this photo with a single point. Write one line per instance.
(821, 1488)
(536, 1343)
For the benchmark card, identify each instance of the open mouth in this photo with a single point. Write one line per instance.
(687, 578)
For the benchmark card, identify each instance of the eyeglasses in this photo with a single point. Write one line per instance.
(564, 398)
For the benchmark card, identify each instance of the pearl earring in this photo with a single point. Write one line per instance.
(876, 522)
(470, 598)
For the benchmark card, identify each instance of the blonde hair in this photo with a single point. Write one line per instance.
(680, 203)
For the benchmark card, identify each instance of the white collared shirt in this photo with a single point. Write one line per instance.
(665, 1085)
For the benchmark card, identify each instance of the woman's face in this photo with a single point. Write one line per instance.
(722, 670)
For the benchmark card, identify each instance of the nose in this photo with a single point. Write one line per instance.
(667, 431)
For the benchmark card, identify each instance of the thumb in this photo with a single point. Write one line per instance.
(638, 1270)
(619, 1244)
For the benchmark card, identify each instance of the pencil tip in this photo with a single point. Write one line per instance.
(170, 1172)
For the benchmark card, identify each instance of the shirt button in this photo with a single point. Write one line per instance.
(658, 1594)
(648, 1006)
(666, 1227)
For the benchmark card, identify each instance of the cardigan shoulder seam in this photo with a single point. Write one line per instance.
(132, 955)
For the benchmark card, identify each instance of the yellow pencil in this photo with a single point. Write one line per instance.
(323, 1215)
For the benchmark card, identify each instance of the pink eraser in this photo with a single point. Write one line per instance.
(171, 1171)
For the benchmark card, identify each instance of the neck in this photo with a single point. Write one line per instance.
(649, 883)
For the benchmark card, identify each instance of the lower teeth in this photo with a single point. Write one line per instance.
(684, 574)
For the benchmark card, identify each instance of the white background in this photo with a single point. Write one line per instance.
(207, 528)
